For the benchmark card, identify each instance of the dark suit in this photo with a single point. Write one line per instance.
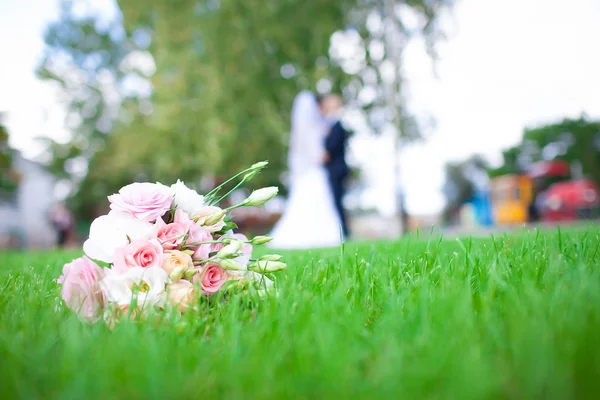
(335, 144)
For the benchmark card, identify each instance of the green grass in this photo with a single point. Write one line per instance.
(510, 317)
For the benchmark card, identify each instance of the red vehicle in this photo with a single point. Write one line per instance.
(571, 200)
(557, 197)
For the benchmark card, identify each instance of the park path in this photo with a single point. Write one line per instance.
(378, 227)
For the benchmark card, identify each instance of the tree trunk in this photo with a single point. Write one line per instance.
(393, 49)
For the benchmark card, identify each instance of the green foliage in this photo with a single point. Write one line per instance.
(572, 141)
(9, 180)
(511, 317)
(576, 141)
(83, 56)
(510, 163)
(382, 25)
(86, 57)
(218, 100)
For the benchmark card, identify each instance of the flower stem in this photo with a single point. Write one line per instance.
(214, 192)
(194, 244)
(231, 191)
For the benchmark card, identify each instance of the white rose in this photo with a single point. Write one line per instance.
(110, 232)
(146, 284)
(187, 199)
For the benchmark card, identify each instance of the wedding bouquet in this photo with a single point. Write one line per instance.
(162, 247)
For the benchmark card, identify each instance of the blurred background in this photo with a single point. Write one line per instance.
(468, 116)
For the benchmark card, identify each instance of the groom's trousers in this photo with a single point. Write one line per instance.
(337, 189)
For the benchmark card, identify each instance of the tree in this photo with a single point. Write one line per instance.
(510, 163)
(222, 77)
(576, 141)
(462, 180)
(227, 73)
(90, 59)
(83, 56)
(378, 86)
(9, 180)
(218, 100)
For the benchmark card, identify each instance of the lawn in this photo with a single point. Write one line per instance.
(507, 317)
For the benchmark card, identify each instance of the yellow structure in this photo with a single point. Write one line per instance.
(511, 197)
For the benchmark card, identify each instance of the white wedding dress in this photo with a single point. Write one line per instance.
(309, 219)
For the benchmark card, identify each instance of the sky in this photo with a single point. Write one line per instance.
(22, 96)
(506, 65)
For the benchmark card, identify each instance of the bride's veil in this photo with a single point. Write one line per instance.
(308, 129)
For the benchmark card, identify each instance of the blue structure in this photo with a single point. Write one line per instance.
(482, 206)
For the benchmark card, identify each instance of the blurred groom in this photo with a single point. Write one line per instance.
(335, 158)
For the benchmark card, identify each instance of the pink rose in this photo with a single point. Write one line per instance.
(139, 253)
(197, 234)
(145, 201)
(216, 247)
(211, 278)
(171, 235)
(81, 290)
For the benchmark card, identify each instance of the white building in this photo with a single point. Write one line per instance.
(24, 219)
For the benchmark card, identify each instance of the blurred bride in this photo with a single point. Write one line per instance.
(309, 219)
